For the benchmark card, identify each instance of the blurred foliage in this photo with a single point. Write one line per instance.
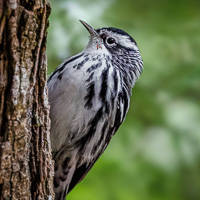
(156, 153)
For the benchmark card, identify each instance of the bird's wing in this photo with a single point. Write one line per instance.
(82, 170)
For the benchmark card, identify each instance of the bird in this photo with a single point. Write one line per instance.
(89, 96)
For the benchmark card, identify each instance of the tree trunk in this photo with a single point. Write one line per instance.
(26, 168)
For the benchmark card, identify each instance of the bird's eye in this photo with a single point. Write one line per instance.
(110, 40)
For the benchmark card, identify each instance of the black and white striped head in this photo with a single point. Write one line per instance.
(116, 39)
(120, 46)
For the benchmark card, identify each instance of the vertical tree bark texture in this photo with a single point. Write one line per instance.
(26, 168)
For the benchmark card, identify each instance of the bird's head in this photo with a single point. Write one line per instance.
(119, 45)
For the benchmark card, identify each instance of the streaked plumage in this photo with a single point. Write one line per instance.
(89, 95)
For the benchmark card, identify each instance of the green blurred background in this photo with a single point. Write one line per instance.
(155, 155)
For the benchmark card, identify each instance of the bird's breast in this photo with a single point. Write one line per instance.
(85, 95)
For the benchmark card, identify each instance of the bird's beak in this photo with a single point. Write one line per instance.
(95, 39)
(91, 30)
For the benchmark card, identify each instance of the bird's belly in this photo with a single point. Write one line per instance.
(69, 116)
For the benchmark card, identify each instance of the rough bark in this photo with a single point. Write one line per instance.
(26, 168)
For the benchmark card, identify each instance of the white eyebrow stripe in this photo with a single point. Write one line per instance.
(125, 41)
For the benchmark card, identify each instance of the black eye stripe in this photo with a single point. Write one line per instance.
(103, 36)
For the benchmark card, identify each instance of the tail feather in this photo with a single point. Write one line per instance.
(64, 171)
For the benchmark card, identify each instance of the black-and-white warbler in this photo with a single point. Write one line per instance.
(89, 96)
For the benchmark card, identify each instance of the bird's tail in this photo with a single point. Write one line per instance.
(65, 165)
